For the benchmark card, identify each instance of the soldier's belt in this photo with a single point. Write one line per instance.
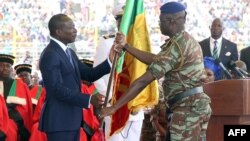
(182, 95)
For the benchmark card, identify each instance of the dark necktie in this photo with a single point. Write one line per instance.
(215, 51)
(68, 53)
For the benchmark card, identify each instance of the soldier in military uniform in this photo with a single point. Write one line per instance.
(181, 63)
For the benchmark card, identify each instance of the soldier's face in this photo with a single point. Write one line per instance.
(165, 24)
(5, 70)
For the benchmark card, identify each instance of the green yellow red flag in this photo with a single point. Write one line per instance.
(134, 27)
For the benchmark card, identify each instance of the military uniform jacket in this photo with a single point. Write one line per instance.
(181, 63)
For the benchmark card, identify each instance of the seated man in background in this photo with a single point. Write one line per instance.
(18, 101)
(23, 71)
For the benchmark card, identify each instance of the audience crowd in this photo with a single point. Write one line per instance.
(24, 22)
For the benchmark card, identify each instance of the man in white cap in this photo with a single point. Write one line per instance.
(132, 129)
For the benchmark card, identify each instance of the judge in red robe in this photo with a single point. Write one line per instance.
(17, 100)
(37, 92)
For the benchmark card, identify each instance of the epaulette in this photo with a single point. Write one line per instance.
(109, 36)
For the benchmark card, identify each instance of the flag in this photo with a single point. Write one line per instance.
(133, 26)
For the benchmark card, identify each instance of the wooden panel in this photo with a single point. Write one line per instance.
(215, 131)
(230, 103)
(229, 97)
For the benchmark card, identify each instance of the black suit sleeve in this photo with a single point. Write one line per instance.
(242, 56)
(235, 55)
(92, 74)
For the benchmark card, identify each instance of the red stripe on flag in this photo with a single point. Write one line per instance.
(120, 117)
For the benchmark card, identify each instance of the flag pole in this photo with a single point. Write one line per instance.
(109, 85)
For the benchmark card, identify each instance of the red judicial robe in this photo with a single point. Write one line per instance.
(35, 92)
(18, 96)
(8, 128)
(88, 114)
(4, 118)
(37, 135)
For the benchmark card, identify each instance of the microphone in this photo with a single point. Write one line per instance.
(232, 66)
(244, 72)
(228, 74)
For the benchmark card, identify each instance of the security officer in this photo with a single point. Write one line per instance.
(181, 63)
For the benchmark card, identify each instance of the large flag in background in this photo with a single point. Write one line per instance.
(134, 27)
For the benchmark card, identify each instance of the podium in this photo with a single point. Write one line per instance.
(230, 103)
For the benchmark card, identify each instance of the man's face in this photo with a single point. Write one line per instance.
(165, 24)
(68, 32)
(26, 77)
(216, 29)
(5, 70)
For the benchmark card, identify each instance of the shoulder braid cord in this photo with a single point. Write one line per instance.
(172, 41)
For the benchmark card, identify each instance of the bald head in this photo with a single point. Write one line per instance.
(216, 28)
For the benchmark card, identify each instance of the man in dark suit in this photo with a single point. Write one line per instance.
(218, 47)
(244, 56)
(62, 73)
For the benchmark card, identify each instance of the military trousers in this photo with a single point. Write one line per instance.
(190, 118)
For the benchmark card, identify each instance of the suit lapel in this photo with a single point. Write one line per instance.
(223, 48)
(63, 55)
(208, 49)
